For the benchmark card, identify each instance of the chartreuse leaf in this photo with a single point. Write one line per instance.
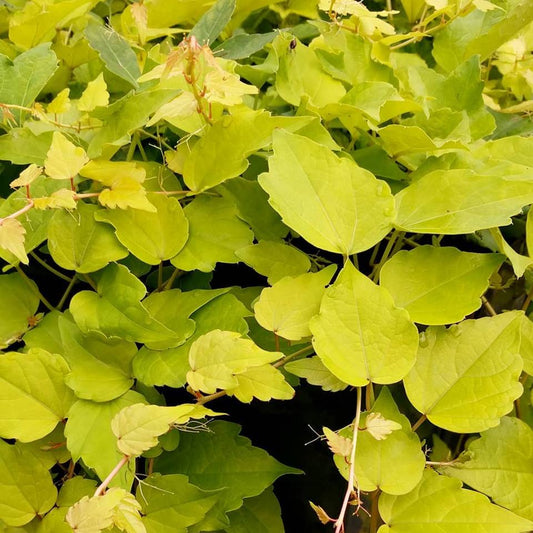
(95, 95)
(115, 52)
(314, 371)
(169, 367)
(64, 159)
(26, 486)
(215, 233)
(331, 202)
(89, 436)
(77, 242)
(12, 238)
(394, 464)
(223, 459)
(287, 307)
(210, 26)
(19, 302)
(439, 505)
(137, 426)
(172, 504)
(33, 393)
(28, 73)
(116, 310)
(152, 237)
(520, 263)
(529, 232)
(218, 356)
(360, 335)
(438, 285)
(466, 377)
(275, 260)
(500, 464)
(526, 344)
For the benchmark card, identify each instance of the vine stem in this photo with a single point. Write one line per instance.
(66, 293)
(418, 423)
(36, 291)
(339, 523)
(488, 306)
(291, 356)
(527, 301)
(374, 513)
(100, 490)
(48, 267)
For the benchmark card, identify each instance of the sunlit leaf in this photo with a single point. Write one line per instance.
(64, 159)
(12, 238)
(61, 199)
(314, 371)
(95, 95)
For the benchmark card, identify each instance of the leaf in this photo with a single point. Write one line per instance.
(172, 504)
(34, 395)
(338, 445)
(380, 428)
(116, 310)
(395, 464)
(438, 285)
(439, 505)
(526, 344)
(210, 26)
(314, 371)
(459, 201)
(360, 335)
(60, 104)
(77, 242)
(115, 52)
(274, 260)
(137, 426)
(27, 176)
(152, 237)
(26, 487)
(61, 199)
(287, 307)
(500, 465)
(222, 458)
(520, 263)
(244, 45)
(12, 238)
(28, 73)
(466, 377)
(218, 356)
(95, 95)
(321, 514)
(89, 436)
(330, 202)
(206, 247)
(64, 160)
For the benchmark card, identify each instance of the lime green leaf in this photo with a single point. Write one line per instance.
(500, 464)
(275, 260)
(526, 344)
(26, 487)
(331, 202)
(116, 310)
(137, 426)
(314, 371)
(262, 382)
(152, 237)
(520, 263)
(466, 377)
(75, 489)
(100, 369)
(460, 201)
(171, 504)
(60, 104)
(226, 88)
(27, 176)
(127, 516)
(89, 436)
(95, 95)
(413, 9)
(115, 52)
(21, 146)
(360, 335)
(181, 107)
(64, 160)
(216, 357)
(34, 395)
(439, 505)
(27, 75)
(223, 459)
(77, 242)
(215, 233)
(438, 285)
(287, 307)
(210, 26)
(394, 464)
(12, 238)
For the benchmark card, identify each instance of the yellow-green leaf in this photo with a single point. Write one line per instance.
(95, 95)
(64, 159)
(27, 176)
(12, 238)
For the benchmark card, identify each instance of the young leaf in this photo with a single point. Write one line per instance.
(329, 201)
(27, 176)
(438, 285)
(321, 514)
(137, 426)
(466, 377)
(338, 445)
(34, 394)
(360, 335)
(216, 357)
(210, 26)
(60, 104)
(288, 306)
(380, 428)
(26, 486)
(61, 199)
(314, 371)
(500, 464)
(438, 504)
(95, 95)
(64, 159)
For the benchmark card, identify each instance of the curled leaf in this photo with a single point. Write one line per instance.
(322, 515)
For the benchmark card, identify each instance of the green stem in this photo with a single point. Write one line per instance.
(36, 291)
(369, 396)
(292, 356)
(160, 276)
(87, 278)
(386, 253)
(488, 306)
(170, 281)
(418, 423)
(66, 293)
(51, 269)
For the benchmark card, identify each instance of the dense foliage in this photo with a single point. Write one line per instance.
(372, 164)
